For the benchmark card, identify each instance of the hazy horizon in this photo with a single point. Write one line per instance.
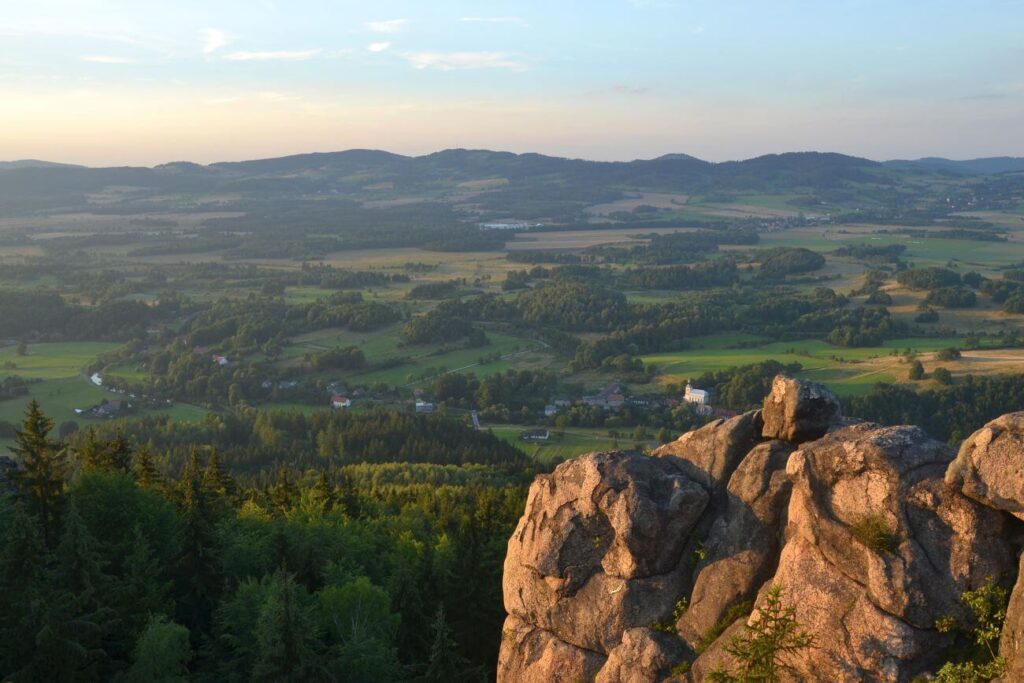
(109, 82)
(243, 158)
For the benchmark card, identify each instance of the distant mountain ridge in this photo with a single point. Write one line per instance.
(474, 183)
(447, 157)
(981, 166)
(34, 163)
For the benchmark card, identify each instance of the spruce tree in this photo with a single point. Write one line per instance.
(119, 453)
(22, 557)
(196, 576)
(91, 453)
(216, 479)
(287, 636)
(446, 663)
(323, 492)
(142, 592)
(147, 475)
(75, 620)
(44, 468)
(284, 492)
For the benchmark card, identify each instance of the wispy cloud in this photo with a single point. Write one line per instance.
(107, 59)
(387, 25)
(698, 29)
(214, 39)
(378, 47)
(519, 21)
(271, 55)
(453, 61)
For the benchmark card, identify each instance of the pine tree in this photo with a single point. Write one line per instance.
(90, 453)
(323, 492)
(44, 468)
(446, 664)
(287, 636)
(216, 479)
(147, 475)
(284, 492)
(197, 581)
(142, 592)
(21, 567)
(75, 620)
(771, 636)
(119, 453)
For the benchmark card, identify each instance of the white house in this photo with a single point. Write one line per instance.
(340, 401)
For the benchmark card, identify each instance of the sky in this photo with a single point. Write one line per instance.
(142, 82)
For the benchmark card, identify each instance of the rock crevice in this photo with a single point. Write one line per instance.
(629, 567)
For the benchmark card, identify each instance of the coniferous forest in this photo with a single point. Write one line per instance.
(115, 569)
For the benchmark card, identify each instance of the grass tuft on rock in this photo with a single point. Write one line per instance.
(874, 532)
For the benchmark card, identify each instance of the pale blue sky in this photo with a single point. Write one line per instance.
(113, 81)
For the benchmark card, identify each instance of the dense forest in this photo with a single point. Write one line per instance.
(114, 568)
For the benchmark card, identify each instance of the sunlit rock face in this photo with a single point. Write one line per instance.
(628, 567)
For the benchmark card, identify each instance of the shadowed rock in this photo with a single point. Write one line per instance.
(710, 454)
(743, 543)
(598, 549)
(530, 654)
(799, 411)
(643, 656)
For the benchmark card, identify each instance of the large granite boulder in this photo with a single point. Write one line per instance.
(531, 654)
(879, 549)
(643, 656)
(990, 465)
(710, 454)
(599, 548)
(799, 411)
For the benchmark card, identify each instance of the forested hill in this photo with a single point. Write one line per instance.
(456, 176)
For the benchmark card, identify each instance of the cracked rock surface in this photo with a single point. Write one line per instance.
(626, 567)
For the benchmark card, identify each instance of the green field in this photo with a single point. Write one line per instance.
(50, 361)
(63, 385)
(575, 441)
(848, 371)
(966, 255)
(430, 360)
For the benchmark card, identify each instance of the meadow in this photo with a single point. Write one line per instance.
(62, 384)
(848, 371)
(566, 445)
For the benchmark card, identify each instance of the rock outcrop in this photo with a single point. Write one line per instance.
(799, 411)
(990, 465)
(626, 567)
(600, 547)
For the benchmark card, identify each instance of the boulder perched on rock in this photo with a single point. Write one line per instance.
(880, 549)
(990, 465)
(531, 654)
(643, 656)
(599, 547)
(799, 411)
(711, 453)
